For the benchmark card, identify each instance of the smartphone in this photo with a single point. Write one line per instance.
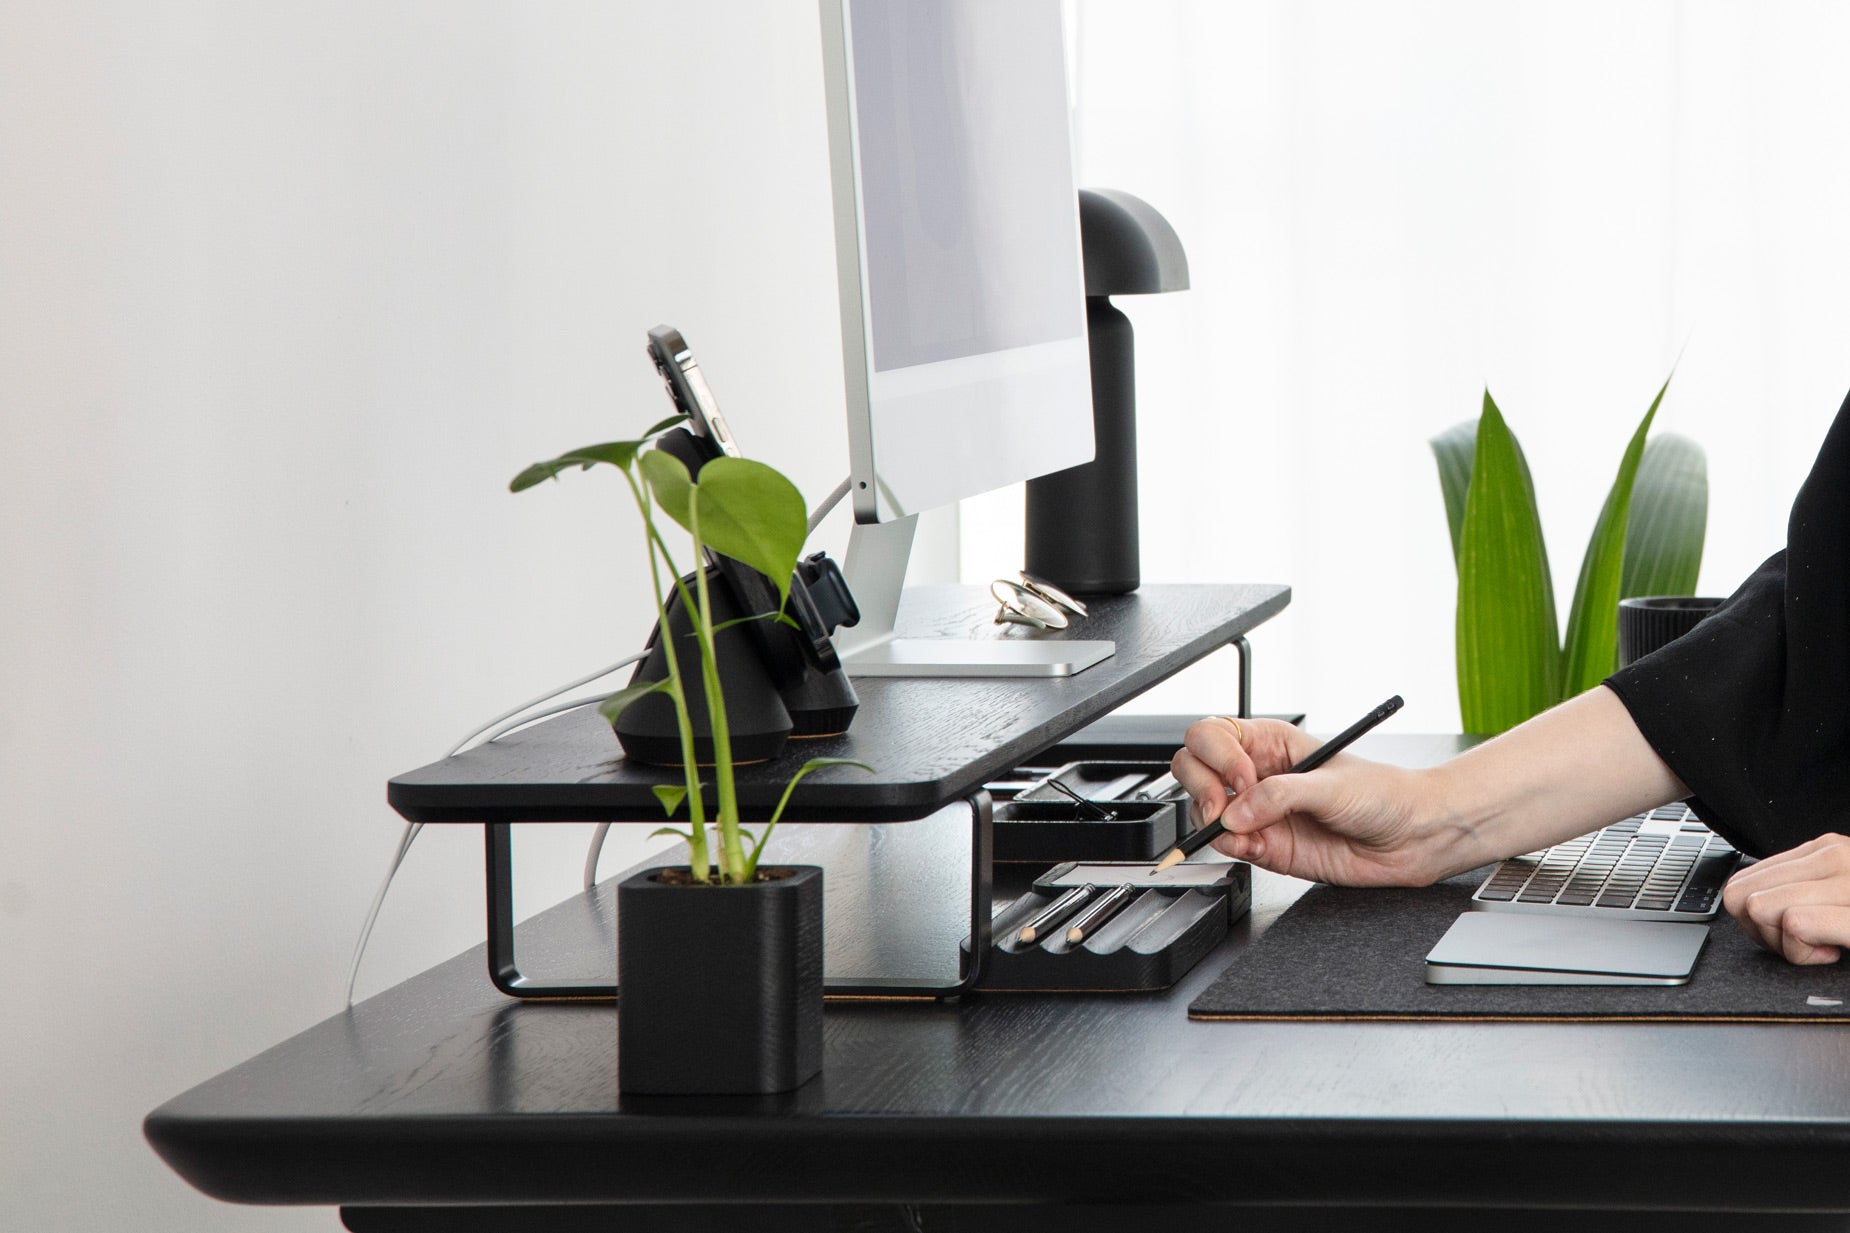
(687, 386)
(787, 652)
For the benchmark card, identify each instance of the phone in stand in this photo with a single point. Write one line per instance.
(688, 387)
(788, 653)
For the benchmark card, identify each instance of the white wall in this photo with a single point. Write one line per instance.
(1388, 207)
(288, 291)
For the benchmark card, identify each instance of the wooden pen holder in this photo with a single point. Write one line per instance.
(1150, 943)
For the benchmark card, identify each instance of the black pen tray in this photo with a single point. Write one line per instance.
(1043, 825)
(1043, 831)
(1151, 943)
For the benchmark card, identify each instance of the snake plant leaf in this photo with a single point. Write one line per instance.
(614, 706)
(1509, 656)
(1454, 450)
(670, 795)
(1593, 621)
(1670, 517)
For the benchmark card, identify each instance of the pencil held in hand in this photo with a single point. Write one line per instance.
(1311, 761)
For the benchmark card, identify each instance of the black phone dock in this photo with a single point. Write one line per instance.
(1168, 921)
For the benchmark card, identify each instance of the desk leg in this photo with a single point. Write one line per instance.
(504, 970)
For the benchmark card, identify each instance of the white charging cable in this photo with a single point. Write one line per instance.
(507, 722)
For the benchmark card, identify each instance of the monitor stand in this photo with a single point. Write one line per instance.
(876, 572)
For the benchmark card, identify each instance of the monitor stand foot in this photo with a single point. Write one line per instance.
(952, 657)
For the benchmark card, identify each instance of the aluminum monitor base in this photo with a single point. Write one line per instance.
(876, 571)
(975, 657)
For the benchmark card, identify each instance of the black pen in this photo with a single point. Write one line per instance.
(1056, 911)
(1316, 758)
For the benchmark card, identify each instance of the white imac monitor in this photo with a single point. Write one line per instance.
(962, 290)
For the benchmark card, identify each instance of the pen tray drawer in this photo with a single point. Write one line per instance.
(1043, 831)
(1043, 825)
(1150, 943)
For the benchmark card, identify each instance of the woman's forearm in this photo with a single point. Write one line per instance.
(1563, 773)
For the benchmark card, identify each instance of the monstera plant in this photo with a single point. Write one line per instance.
(1513, 660)
(719, 964)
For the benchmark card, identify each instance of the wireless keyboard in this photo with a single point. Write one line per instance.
(1661, 865)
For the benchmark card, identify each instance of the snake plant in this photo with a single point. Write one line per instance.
(1513, 662)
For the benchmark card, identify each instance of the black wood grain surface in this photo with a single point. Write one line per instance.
(930, 741)
(440, 1091)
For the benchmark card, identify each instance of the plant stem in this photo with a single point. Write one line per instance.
(731, 853)
(698, 860)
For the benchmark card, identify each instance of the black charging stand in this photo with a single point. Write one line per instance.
(778, 682)
(755, 713)
(1081, 531)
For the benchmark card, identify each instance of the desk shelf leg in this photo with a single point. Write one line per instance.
(503, 969)
(1245, 650)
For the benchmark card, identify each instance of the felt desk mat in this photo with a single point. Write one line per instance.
(1360, 953)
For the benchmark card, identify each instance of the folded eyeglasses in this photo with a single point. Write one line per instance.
(1027, 600)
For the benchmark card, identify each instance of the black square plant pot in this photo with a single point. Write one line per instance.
(719, 987)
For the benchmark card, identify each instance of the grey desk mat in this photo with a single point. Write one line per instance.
(1353, 953)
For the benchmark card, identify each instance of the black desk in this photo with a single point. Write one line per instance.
(443, 1092)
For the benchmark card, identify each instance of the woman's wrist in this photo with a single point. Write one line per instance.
(1446, 836)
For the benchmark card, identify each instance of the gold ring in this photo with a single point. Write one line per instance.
(1239, 733)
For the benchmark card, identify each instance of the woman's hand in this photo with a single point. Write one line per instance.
(1797, 903)
(1351, 821)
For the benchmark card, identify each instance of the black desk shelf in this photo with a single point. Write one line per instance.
(932, 742)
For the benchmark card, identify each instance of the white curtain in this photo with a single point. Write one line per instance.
(1388, 207)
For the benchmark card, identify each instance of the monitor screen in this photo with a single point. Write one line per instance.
(957, 233)
(966, 183)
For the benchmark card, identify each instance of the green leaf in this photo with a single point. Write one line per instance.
(1593, 621)
(751, 513)
(1453, 450)
(673, 487)
(671, 830)
(814, 764)
(1670, 516)
(613, 706)
(1509, 659)
(615, 453)
(670, 795)
(664, 425)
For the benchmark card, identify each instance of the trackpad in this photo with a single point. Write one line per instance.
(1497, 948)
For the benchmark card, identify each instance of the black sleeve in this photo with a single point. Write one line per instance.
(1751, 709)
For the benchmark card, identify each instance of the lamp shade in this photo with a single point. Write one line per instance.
(1130, 249)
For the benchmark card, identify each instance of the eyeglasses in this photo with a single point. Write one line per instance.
(1027, 600)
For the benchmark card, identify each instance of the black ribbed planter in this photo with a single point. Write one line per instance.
(1649, 622)
(720, 987)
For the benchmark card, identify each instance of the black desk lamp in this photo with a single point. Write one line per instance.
(1082, 522)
